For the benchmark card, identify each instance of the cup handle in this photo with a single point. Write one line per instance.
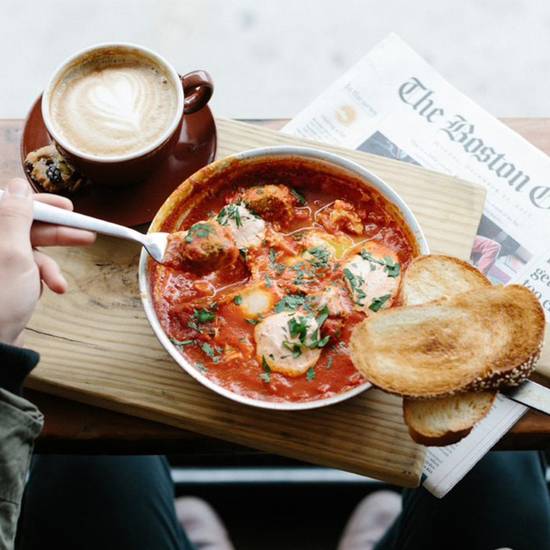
(198, 88)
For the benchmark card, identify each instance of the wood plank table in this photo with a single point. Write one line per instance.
(73, 427)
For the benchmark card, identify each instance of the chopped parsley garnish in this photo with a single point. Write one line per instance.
(323, 316)
(266, 375)
(268, 281)
(252, 321)
(230, 212)
(392, 268)
(295, 348)
(238, 300)
(201, 367)
(208, 349)
(321, 257)
(297, 327)
(377, 303)
(201, 230)
(298, 196)
(356, 282)
(181, 343)
(310, 374)
(279, 268)
(290, 302)
(366, 255)
(303, 275)
(203, 315)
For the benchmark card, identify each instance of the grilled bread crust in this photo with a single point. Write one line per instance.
(477, 340)
(446, 420)
(442, 420)
(437, 277)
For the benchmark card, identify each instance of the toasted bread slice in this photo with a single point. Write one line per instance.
(478, 340)
(445, 420)
(436, 277)
(442, 420)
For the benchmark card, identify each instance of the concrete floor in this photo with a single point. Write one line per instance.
(269, 59)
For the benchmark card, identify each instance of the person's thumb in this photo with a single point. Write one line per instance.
(16, 215)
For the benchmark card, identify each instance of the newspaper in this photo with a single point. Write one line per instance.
(393, 103)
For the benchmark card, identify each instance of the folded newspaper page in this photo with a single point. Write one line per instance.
(393, 103)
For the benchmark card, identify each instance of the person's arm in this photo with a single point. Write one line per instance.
(20, 423)
(23, 270)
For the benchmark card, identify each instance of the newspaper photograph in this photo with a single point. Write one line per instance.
(394, 104)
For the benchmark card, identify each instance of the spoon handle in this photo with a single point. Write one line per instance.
(51, 214)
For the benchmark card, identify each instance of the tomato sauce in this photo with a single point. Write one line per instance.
(202, 313)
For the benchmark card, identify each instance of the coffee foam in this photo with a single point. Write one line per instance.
(113, 106)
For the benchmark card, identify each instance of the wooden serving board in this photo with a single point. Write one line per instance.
(97, 347)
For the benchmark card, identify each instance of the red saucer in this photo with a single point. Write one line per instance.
(138, 203)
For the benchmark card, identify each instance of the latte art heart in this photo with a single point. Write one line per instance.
(118, 100)
(113, 108)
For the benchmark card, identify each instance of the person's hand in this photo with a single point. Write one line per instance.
(23, 268)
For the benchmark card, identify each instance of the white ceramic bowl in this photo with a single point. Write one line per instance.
(324, 160)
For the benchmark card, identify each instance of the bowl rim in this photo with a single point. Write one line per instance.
(310, 153)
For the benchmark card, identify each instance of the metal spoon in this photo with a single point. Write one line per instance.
(154, 243)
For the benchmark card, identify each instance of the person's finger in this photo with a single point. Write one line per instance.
(47, 234)
(50, 272)
(54, 200)
(16, 216)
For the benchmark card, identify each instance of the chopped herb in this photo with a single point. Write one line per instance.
(266, 375)
(203, 315)
(366, 255)
(297, 328)
(201, 367)
(356, 282)
(393, 269)
(181, 343)
(201, 230)
(329, 362)
(298, 196)
(291, 302)
(194, 326)
(268, 281)
(238, 300)
(279, 268)
(323, 316)
(252, 321)
(230, 212)
(377, 303)
(208, 349)
(316, 343)
(321, 256)
(295, 348)
(302, 273)
(310, 375)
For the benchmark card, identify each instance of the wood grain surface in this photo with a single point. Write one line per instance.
(97, 347)
(81, 428)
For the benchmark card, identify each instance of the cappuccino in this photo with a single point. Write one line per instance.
(113, 105)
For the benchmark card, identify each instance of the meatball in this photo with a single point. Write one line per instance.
(204, 247)
(274, 203)
(341, 217)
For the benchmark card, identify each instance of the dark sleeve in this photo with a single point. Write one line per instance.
(15, 365)
(20, 424)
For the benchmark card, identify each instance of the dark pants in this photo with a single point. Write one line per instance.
(101, 502)
(502, 502)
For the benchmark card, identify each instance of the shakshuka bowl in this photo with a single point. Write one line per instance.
(207, 182)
